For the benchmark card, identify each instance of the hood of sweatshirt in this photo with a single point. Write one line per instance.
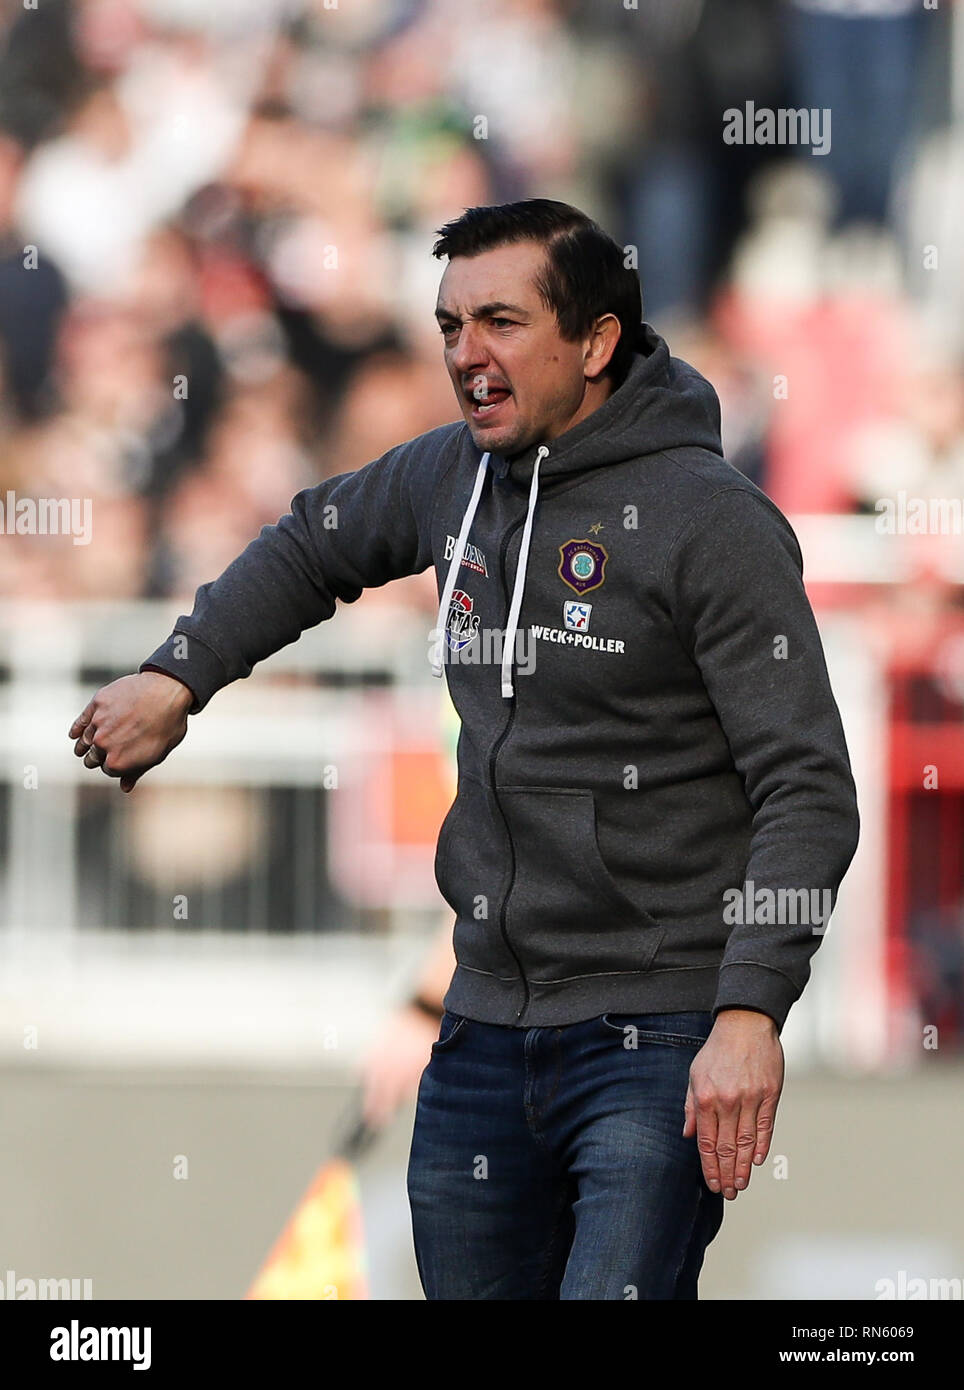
(662, 404)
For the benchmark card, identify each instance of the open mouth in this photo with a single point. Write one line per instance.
(494, 399)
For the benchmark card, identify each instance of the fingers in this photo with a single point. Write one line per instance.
(765, 1120)
(95, 757)
(727, 1141)
(384, 1090)
(88, 732)
(84, 742)
(707, 1131)
(81, 721)
(727, 1116)
(94, 753)
(731, 1136)
(104, 738)
(377, 1104)
(689, 1111)
(746, 1132)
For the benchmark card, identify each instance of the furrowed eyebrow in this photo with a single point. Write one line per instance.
(482, 312)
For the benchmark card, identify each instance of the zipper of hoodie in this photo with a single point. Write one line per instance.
(493, 756)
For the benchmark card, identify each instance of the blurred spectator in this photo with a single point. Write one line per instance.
(32, 299)
(254, 464)
(684, 186)
(858, 59)
(391, 398)
(917, 444)
(131, 152)
(41, 71)
(822, 315)
(166, 298)
(936, 970)
(746, 400)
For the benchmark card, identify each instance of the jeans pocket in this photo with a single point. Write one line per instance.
(688, 1029)
(450, 1029)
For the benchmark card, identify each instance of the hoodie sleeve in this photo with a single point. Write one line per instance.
(734, 579)
(351, 532)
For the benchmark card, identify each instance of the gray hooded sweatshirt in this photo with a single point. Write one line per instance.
(655, 803)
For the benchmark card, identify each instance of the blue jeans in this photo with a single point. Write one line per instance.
(549, 1162)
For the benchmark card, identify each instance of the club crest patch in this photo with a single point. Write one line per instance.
(462, 623)
(575, 615)
(582, 565)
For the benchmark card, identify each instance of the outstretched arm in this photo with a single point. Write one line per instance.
(352, 532)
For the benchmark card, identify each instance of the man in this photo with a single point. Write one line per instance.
(654, 787)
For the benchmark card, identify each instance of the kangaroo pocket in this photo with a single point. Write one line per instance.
(567, 916)
(471, 868)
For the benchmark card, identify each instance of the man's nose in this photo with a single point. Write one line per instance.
(471, 351)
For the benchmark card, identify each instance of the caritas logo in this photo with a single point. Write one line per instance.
(462, 624)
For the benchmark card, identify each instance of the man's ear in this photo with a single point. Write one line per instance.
(601, 345)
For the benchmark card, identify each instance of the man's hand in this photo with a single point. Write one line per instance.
(394, 1062)
(131, 725)
(731, 1101)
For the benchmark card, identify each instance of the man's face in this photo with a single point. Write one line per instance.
(517, 381)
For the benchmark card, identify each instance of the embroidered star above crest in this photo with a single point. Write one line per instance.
(596, 527)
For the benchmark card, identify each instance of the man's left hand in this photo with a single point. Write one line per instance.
(731, 1101)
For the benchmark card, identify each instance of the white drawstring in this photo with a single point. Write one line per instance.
(520, 576)
(520, 579)
(458, 552)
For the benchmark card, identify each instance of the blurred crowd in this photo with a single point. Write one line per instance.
(216, 284)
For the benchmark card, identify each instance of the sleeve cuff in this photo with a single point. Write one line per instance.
(201, 669)
(744, 985)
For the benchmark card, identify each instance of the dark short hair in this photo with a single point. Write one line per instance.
(585, 274)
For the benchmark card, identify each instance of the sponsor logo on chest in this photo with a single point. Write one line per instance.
(582, 566)
(472, 556)
(462, 622)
